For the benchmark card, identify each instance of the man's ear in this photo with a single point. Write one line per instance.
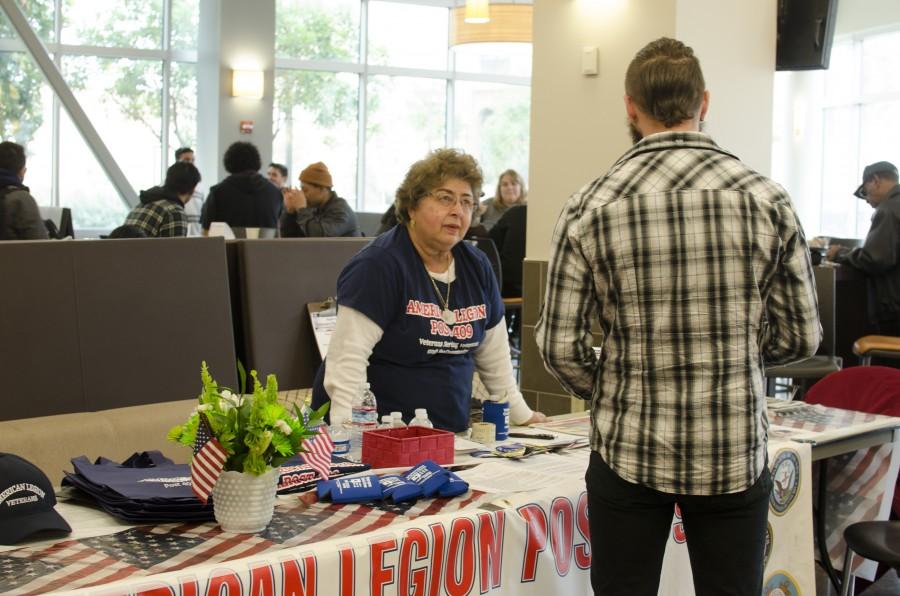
(704, 105)
(630, 109)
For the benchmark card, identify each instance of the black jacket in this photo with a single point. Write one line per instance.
(879, 258)
(245, 200)
(334, 218)
(509, 236)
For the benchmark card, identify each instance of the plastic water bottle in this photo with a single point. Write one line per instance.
(363, 417)
(421, 419)
(340, 436)
(398, 419)
(386, 421)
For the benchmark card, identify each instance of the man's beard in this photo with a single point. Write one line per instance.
(636, 135)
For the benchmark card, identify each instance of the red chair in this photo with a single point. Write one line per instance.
(871, 389)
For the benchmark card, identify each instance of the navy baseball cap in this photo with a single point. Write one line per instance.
(26, 501)
(879, 167)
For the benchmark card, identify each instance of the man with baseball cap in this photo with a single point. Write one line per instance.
(879, 256)
(26, 501)
(315, 210)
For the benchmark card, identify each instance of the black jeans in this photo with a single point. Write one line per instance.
(630, 525)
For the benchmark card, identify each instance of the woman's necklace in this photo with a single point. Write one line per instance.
(446, 314)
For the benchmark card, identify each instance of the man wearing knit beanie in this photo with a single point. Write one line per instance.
(315, 210)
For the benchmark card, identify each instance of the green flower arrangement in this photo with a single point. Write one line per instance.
(256, 431)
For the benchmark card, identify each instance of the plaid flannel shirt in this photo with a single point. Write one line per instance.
(698, 270)
(159, 219)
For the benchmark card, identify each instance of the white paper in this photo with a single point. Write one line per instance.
(513, 476)
(323, 323)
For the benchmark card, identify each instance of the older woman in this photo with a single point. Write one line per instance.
(510, 191)
(419, 311)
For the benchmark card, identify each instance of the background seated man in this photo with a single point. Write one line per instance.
(316, 210)
(277, 174)
(20, 218)
(245, 198)
(161, 212)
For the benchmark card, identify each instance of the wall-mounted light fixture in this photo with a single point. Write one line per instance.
(247, 83)
(477, 11)
(509, 23)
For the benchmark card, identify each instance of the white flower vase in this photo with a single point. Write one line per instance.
(244, 503)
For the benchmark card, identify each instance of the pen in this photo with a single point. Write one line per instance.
(545, 437)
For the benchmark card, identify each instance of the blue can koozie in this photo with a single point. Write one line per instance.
(498, 413)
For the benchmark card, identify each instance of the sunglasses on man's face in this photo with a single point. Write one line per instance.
(861, 192)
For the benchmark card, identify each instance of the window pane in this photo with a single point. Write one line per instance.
(405, 120)
(492, 123)
(26, 105)
(39, 14)
(879, 127)
(407, 35)
(317, 29)
(881, 62)
(316, 120)
(182, 107)
(122, 97)
(185, 24)
(842, 76)
(84, 187)
(508, 59)
(840, 173)
(113, 23)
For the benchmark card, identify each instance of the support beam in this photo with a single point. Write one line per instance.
(67, 98)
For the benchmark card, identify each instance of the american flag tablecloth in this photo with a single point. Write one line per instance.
(149, 550)
(860, 483)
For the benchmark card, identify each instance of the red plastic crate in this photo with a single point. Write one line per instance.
(406, 446)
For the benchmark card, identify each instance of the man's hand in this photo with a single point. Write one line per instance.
(293, 199)
(833, 251)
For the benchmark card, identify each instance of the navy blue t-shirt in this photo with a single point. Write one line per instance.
(420, 361)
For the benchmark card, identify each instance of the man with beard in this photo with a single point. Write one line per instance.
(692, 270)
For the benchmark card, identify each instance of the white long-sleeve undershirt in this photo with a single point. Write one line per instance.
(355, 336)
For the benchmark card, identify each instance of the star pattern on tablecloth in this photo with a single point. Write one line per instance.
(141, 548)
(19, 571)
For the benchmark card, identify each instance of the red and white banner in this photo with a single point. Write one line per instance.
(534, 544)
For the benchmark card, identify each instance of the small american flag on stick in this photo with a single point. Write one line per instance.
(208, 461)
(318, 452)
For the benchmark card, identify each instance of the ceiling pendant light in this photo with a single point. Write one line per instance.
(477, 11)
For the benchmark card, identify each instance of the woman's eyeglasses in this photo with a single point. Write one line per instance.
(448, 200)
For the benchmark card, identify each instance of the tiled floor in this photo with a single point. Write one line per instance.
(888, 585)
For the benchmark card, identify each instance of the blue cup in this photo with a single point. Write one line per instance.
(498, 413)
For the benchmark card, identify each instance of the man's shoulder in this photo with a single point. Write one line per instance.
(16, 193)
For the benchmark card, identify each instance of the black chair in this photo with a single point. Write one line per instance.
(875, 540)
(58, 221)
(825, 362)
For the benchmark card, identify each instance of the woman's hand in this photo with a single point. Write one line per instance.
(535, 418)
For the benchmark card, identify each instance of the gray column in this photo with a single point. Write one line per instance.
(234, 34)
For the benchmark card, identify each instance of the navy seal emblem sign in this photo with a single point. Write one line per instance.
(785, 481)
(781, 584)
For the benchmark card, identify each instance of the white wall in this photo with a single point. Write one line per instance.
(578, 123)
(735, 42)
(854, 16)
